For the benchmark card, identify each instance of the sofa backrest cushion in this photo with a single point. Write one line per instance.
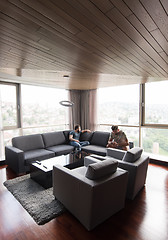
(54, 138)
(29, 142)
(100, 138)
(133, 154)
(66, 134)
(86, 136)
(101, 169)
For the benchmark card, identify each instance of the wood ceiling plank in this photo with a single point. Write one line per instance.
(141, 13)
(72, 11)
(48, 45)
(142, 30)
(122, 7)
(99, 32)
(114, 63)
(145, 65)
(38, 18)
(164, 56)
(48, 13)
(105, 54)
(132, 55)
(132, 44)
(53, 59)
(107, 60)
(158, 14)
(22, 55)
(15, 31)
(68, 39)
(160, 39)
(165, 5)
(19, 21)
(94, 14)
(104, 5)
(27, 43)
(130, 62)
(130, 31)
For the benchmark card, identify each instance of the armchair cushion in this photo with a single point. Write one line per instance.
(101, 169)
(133, 154)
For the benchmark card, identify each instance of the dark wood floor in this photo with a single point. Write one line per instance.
(145, 218)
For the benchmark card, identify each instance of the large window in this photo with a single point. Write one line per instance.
(154, 135)
(145, 124)
(41, 109)
(8, 114)
(119, 105)
(35, 110)
(8, 106)
(156, 100)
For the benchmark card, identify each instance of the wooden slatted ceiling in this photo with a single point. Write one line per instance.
(96, 42)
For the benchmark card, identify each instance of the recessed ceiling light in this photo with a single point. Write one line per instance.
(66, 76)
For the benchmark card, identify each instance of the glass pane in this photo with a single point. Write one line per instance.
(5, 139)
(156, 98)
(118, 105)
(132, 133)
(155, 141)
(8, 105)
(27, 131)
(41, 106)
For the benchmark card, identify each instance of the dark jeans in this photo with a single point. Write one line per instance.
(78, 145)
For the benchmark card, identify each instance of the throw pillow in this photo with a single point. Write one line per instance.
(101, 169)
(132, 154)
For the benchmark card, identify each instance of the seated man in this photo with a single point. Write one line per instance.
(74, 137)
(117, 139)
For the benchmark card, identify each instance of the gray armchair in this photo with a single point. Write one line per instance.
(91, 193)
(136, 165)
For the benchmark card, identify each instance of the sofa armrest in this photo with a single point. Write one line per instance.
(116, 153)
(15, 159)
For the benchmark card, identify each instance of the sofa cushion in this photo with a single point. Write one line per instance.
(53, 138)
(38, 154)
(132, 154)
(66, 134)
(86, 136)
(61, 149)
(99, 150)
(100, 138)
(101, 169)
(29, 142)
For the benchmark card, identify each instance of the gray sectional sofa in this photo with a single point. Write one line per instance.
(26, 149)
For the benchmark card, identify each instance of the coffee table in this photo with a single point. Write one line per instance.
(41, 171)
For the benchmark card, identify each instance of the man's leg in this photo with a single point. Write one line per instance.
(84, 143)
(76, 145)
